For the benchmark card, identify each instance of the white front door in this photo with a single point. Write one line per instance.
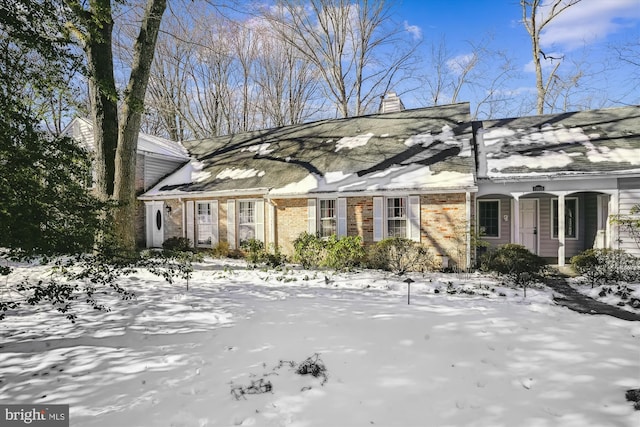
(156, 223)
(529, 224)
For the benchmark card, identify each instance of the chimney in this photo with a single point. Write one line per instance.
(391, 103)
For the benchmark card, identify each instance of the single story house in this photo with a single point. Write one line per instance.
(554, 182)
(155, 158)
(407, 173)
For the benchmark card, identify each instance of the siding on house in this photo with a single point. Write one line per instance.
(505, 226)
(156, 168)
(628, 196)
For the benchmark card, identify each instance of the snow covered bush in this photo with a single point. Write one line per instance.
(400, 255)
(600, 266)
(520, 266)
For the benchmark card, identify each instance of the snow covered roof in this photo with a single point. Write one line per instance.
(425, 149)
(587, 143)
(81, 129)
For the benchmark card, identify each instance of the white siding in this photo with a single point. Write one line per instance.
(156, 168)
(628, 196)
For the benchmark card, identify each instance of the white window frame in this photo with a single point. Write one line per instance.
(479, 226)
(333, 219)
(388, 218)
(254, 223)
(554, 214)
(200, 225)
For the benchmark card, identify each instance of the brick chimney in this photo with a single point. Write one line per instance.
(391, 103)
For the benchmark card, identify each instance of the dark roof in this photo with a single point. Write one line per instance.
(595, 142)
(420, 149)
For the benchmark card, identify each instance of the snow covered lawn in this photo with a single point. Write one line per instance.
(172, 357)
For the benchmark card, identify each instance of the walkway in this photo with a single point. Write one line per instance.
(576, 301)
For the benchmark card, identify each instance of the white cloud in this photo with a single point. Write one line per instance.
(459, 63)
(589, 21)
(414, 30)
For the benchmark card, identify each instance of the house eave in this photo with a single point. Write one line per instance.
(204, 194)
(560, 177)
(370, 193)
(268, 193)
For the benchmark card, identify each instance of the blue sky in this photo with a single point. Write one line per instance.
(586, 32)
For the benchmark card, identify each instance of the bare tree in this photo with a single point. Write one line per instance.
(344, 40)
(288, 82)
(481, 74)
(536, 15)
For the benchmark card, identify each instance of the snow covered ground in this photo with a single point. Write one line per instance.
(471, 354)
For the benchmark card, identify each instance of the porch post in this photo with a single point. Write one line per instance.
(516, 218)
(467, 231)
(614, 235)
(271, 209)
(561, 231)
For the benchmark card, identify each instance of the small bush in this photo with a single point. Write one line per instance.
(601, 266)
(399, 255)
(517, 263)
(220, 250)
(344, 253)
(255, 253)
(315, 367)
(633, 395)
(338, 253)
(309, 250)
(177, 244)
(254, 249)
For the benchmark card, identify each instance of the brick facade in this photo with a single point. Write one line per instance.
(443, 225)
(442, 222)
(291, 221)
(360, 218)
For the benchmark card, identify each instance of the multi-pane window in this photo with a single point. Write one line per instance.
(396, 217)
(205, 224)
(327, 217)
(570, 217)
(246, 221)
(489, 218)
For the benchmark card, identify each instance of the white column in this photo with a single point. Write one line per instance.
(467, 228)
(271, 211)
(561, 230)
(614, 228)
(515, 215)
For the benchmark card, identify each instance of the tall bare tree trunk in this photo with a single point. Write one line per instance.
(102, 91)
(125, 159)
(534, 21)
